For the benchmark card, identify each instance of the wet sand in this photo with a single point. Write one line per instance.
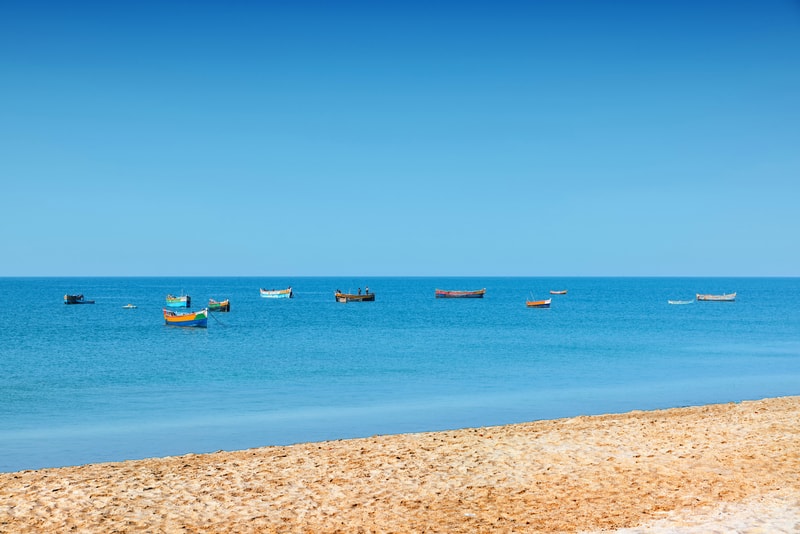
(718, 468)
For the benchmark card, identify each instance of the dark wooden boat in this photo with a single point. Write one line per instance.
(76, 299)
(447, 294)
(354, 297)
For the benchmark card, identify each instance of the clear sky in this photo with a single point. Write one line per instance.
(560, 138)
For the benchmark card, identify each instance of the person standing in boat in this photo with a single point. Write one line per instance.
(366, 291)
(359, 290)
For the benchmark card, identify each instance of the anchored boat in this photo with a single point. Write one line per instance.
(76, 299)
(726, 297)
(277, 293)
(448, 294)
(219, 305)
(354, 297)
(183, 301)
(538, 303)
(198, 318)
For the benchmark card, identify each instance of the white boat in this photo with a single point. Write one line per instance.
(680, 301)
(277, 293)
(727, 297)
(129, 307)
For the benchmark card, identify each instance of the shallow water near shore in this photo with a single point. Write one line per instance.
(94, 383)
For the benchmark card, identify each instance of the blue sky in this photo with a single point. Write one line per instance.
(422, 139)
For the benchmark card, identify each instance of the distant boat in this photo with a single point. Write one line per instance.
(727, 297)
(76, 299)
(184, 301)
(354, 297)
(558, 292)
(198, 318)
(129, 307)
(448, 294)
(680, 301)
(277, 293)
(219, 305)
(538, 303)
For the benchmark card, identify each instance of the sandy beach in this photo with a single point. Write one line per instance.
(718, 468)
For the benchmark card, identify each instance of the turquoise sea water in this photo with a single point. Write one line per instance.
(94, 383)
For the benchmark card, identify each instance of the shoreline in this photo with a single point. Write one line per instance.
(691, 469)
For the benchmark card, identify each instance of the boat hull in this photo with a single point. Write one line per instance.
(728, 297)
(349, 297)
(447, 294)
(76, 299)
(219, 305)
(559, 292)
(198, 319)
(277, 293)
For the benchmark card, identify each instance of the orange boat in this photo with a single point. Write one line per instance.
(198, 318)
(538, 303)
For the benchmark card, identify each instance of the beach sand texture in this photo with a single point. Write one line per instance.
(718, 468)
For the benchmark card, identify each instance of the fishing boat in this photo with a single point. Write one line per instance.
(726, 297)
(219, 305)
(354, 297)
(183, 301)
(76, 299)
(558, 291)
(680, 301)
(277, 293)
(198, 318)
(449, 294)
(129, 307)
(538, 303)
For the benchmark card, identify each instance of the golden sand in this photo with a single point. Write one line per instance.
(718, 468)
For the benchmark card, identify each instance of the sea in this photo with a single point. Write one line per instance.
(97, 382)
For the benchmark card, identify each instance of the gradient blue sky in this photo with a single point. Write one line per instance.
(561, 138)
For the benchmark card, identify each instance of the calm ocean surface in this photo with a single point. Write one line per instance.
(95, 383)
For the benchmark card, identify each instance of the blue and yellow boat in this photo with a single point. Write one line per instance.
(198, 318)
(183, 301)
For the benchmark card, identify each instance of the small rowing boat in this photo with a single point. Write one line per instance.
(129, 307)
(448, 294)
(558, 291)
(726, 297)
(538, 303)
(277, 293)
(198, 318)
(680, 301)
